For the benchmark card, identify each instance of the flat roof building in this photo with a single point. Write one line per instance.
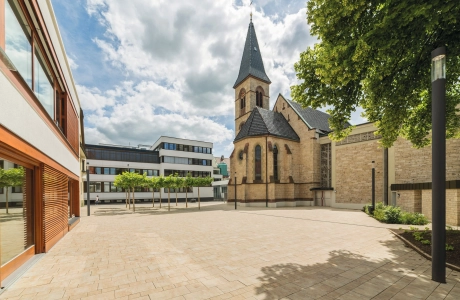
(166, 156)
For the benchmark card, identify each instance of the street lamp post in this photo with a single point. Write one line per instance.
(373, 186)
(88, 202)
(438, 159)
(235, 190)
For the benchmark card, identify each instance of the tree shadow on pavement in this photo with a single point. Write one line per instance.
(348, 275)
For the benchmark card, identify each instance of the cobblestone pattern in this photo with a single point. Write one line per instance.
(283, 253)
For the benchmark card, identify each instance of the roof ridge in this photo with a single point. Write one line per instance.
(265, 122)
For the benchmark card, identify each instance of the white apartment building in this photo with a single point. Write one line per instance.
(166, 156)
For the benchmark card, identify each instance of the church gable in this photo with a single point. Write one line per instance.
(312, 118)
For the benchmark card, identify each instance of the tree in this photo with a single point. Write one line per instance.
(169, 183)
(161, 184)
(377, 55)
(153, 183)
(178, 184)
(188, 183)
(9, 178)
(202, 182)
(120, 181)
(130, 181)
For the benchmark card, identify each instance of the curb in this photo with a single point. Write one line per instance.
(420, 251)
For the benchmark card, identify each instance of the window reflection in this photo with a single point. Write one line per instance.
(17, 43)
(43, 84)
(16, 211)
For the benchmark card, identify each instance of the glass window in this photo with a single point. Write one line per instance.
(98, 170)
(132, 170)
(113, 188)
(43, 83)
(92, 187)
(98, 187)
(166, 146)
(17, 43)
(156, 172)
(106, 171)
(258, 163)
(204, 162)
(113, 171)
(16, 214)
(106, 187)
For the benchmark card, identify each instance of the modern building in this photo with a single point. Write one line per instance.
(40, 131)
(220, 178)
(284, 156)
(166, 156)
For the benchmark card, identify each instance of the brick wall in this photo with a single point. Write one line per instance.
(452, 206)
(414, 165)
(410, 201)
(354, 172)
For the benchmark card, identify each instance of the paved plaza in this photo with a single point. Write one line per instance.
(220, 253)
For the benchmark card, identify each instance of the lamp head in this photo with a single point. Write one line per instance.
(438, 64)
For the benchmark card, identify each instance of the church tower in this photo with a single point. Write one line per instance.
(252, 85)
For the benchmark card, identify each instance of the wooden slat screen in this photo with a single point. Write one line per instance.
(72, 126)
(55, 204)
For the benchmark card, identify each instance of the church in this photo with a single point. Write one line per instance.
(284, 157)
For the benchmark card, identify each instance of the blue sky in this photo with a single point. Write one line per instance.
(148, 68)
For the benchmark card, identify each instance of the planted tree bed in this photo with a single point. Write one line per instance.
(452, 240)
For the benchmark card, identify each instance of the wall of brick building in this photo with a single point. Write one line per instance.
(452, 206)
(414, 165)
(249, 85)
(353, 168)
(410, 201)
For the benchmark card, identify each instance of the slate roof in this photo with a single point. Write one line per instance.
(251, 63)
(267, 122)
(313, 117)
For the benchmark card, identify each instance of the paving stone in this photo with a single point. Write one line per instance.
(220, 253)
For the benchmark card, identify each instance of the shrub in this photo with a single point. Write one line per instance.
(394, 215)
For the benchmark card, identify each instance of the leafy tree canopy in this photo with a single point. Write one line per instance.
(377, 55)
(11, 177)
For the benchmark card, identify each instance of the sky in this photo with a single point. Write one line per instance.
(147, 68)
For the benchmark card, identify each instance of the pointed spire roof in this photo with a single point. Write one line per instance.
(251, 63)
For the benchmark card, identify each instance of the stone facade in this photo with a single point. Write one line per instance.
(410, 200)
(414, 165)
(353, 170)
(247, 89)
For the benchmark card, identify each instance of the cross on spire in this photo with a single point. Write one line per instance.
(251, 10)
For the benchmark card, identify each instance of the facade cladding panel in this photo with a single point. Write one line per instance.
(39, 133)
(167, 156)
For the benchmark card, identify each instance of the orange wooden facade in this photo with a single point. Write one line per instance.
(51, 191)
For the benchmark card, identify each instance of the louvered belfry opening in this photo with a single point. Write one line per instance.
(55, 205)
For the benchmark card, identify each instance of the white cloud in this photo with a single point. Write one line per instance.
(72, 63)
(182, 59)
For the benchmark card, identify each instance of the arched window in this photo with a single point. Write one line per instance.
(258, 163)
(259, 97)
(242, 97)
(275, 162)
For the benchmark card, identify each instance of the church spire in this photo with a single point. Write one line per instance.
(251, 62)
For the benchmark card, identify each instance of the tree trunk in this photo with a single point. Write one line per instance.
(169, 202)
(153, 198)
(127, 196)
(6, 200)
(134, 202)
(160, 197)
(176, 197)
(186, 196)
(199, 206)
